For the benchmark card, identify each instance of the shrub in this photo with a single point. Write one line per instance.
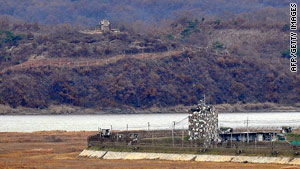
(170, 37)
(190, 28)
(218, 45)
(7, 37)
(217, 22)
(286, 53)
(285, 27)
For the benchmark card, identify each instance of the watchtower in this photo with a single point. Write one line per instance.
(203, 124)
(105, 25)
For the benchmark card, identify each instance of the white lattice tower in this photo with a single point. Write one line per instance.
(203, 124)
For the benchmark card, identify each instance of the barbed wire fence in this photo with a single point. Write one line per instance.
(176, 134)
(237, 124)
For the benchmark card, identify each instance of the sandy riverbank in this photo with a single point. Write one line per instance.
(60, 149)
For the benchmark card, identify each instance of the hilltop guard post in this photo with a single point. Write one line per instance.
(105, 25)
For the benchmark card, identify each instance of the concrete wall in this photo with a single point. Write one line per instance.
(187, 157)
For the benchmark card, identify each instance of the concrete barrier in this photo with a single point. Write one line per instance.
(188, 157)
(214, 158)
(148, 156)
(177, 157)
(99, 154)
(84, 153)
(295, 161)
(248, 159)
(115, 155)
(142, 156)
(91, 153)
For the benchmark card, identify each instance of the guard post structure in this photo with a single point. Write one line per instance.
(203, 124)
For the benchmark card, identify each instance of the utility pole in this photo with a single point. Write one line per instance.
(173, 126)
(247, 122)
(111, 129)
(127, 127)
(148, 126)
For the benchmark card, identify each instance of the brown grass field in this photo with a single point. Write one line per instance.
(60, 149)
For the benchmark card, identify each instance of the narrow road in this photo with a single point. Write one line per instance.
(86, 62)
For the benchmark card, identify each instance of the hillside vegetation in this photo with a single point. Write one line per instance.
(88, 12)
(232, 59)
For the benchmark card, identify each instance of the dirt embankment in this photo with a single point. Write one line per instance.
(66, 109)
(222, 108)
(60, 149)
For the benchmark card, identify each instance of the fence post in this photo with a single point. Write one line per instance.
(173, 126)
(182, 137)
(152, 138)
(231, 140)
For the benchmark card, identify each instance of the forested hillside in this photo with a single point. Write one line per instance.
(88, 12)
(164, 54)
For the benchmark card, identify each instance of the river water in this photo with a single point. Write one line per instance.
(30, 123)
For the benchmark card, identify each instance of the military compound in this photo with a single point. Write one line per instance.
(203, 128)
(103, 27)
(202, 135)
